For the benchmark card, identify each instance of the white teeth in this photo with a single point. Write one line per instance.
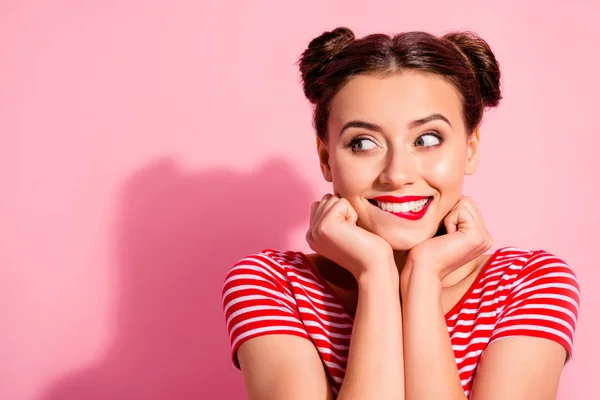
(413, 206)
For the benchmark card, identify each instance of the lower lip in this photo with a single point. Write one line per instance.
(411, 215)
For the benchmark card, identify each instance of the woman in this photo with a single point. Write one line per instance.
(400, 299)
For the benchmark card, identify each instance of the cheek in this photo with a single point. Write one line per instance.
(351, 177)
(447, 172)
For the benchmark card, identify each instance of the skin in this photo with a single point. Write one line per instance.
(391, 163)
(362, 249)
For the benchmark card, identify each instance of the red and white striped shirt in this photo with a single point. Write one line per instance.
(517, 293)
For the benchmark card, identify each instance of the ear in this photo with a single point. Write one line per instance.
(472, 153)
(324, 159)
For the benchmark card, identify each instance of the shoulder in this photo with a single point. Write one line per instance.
(532, 279)
(270, 266)
(540, 297)
(260, 297)
(274, 260)
(529, 267)
(548, 278)
(519, 265)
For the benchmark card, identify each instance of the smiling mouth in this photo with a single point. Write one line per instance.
(406, 207)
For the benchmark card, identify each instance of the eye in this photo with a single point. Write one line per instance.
(429, 140)
(361, 144)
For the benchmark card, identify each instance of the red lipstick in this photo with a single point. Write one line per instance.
(410, 215)
(403, 199)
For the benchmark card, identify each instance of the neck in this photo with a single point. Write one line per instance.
(400, 257)
(455, 277)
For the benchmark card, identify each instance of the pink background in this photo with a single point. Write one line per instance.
(147, 145)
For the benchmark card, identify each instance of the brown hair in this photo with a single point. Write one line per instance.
(463, 58)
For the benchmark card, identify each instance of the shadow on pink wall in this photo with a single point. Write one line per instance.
(178, 233)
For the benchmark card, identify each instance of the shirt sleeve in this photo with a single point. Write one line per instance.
(544, 302)
(258, 300)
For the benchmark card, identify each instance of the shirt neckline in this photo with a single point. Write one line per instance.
(447, 316)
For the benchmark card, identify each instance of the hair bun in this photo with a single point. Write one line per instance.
(320, 52)
(482, 62)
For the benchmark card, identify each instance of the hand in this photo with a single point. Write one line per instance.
(467, 239)
(333, 233)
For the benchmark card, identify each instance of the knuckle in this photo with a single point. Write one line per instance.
(323, 229)
(483, 241)
(320, 230)
(344, 203)
(314, 232)
(308, 236)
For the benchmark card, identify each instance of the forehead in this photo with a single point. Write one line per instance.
(396, 99)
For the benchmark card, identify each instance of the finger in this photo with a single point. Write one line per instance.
(313, 208)
(315, 212)
(451, 221)
(343, 210)
(486, 238)
(309, 237)
(319, 209)
(469, 203)
(325, 207)
(319, 226)
(459, 219)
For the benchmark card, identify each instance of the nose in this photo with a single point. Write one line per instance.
(400, 169)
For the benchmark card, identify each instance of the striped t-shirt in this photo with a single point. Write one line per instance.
(517, 293)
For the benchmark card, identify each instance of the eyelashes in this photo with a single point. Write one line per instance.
(359, 140)
(428, 140)
(427, 143)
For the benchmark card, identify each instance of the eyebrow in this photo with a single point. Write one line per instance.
(411, 125)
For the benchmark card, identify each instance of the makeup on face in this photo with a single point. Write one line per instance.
(408, 207)
(401, 158)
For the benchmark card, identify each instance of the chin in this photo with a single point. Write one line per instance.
(401, 239)
(404, 244)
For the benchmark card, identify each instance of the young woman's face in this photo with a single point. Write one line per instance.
(401, 135)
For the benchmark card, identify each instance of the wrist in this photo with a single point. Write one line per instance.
(378, 274)
(413, 274)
